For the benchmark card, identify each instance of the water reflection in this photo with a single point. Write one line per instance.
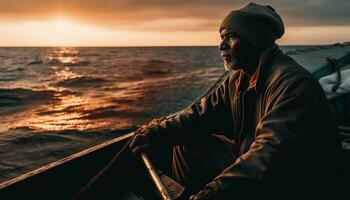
(65, 57)
(72, 108)
(57, 116)
(64, 54)
(70, 90)
(73, 113)
(65, 73)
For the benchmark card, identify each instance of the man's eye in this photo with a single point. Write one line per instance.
(230, 36)
(223, 37)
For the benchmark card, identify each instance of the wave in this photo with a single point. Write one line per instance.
(35, 62)
(84, 81)
(66, 54)
(79, 63)
(18, 99)
(114, 51)
(101, 114)
(156, 67)
(157, 63)
(19, 96)
(4, 78)
(156, 71)
(90, 54)
(20, 69)
(55, 61)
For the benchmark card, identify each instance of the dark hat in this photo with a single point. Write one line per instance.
(259, 24)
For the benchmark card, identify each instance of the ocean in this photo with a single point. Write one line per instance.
(57, 101)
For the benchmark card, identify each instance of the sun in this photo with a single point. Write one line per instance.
(65, 31)
(60, 31)
(62, 23)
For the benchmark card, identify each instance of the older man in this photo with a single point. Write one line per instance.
(266, 131)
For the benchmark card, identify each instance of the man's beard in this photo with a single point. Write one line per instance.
(232, 64)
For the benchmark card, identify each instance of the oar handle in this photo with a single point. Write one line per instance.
(154, 175)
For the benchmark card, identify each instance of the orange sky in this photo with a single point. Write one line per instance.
(157, 22)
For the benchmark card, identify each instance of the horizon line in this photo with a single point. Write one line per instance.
(151, 46)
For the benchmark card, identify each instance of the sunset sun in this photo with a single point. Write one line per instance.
(60, 31)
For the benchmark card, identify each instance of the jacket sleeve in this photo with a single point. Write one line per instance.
(209, 113)
(280, 138)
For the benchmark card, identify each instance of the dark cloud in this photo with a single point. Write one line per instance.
(172, 15)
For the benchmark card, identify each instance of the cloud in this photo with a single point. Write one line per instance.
(167, 15)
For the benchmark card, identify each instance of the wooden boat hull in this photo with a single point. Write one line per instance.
(66, 177)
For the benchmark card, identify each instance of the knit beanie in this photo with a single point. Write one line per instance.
(259, 24)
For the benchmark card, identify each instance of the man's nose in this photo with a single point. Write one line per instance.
(223, 45)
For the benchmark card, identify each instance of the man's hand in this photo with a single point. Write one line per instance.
(139, 143)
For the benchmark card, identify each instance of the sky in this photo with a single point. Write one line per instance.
(159, 22)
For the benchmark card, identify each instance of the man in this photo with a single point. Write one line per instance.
(267, 131)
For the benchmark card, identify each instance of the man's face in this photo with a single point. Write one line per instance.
(230, 50)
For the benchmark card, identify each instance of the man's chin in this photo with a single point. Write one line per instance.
(230, 66)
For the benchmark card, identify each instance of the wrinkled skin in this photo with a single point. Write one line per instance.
(237, 52)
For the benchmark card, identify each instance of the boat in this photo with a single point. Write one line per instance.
(84, 175)
(68, 178)
(106, 171)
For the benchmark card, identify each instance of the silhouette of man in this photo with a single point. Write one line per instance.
(266, 131)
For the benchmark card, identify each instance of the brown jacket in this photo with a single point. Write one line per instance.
(283, 126)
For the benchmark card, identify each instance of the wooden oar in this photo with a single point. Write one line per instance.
(155, 177)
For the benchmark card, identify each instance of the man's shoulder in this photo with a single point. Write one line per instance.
(286, 72)
(285, 68)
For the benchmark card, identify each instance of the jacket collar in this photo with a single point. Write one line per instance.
(262, 72)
